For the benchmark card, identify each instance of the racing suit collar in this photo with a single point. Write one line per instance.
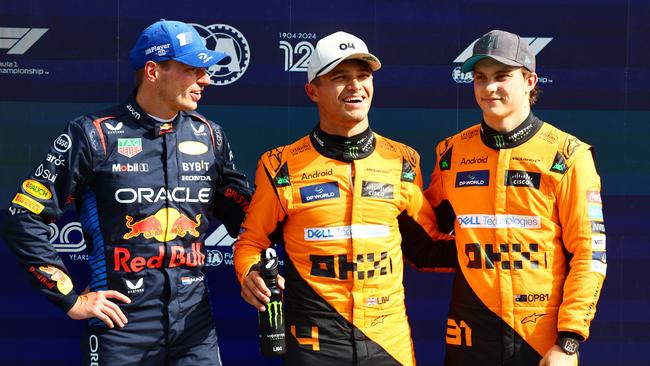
(343, 148)
(496, 140)
(137, 114)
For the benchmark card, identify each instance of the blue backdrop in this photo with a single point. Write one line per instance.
(59, 59)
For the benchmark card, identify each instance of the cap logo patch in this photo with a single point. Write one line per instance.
(184, 38)
(160, 50)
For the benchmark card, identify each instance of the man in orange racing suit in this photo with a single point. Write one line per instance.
(342, 199)
(524, 200)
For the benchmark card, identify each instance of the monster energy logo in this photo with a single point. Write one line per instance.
(282, 180)
(274, 309)
(353, 151)
(499, 141)
(558, 167)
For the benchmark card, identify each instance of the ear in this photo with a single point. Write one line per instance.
(312, 92)
(150, 71)
(531, 81)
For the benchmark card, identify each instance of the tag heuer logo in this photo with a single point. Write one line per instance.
(129, 147)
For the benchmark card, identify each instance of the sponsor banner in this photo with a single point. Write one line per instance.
(28, 203)
(597, 227)
(190, 280)
(599, 262)
(594, 197)
(595, 212)
(598, 243)
(135, 167)
(475, 178)
(499, 221)
(129, 147)
(36, 189)
(377, 190)
(520, 178)
(532, 297)
(62, 143)
(192, 148)
(195, 166)
(319, 192)
(134, 286)
(346, 232)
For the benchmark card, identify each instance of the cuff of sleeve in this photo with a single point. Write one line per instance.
(572, 335)
(68, 301)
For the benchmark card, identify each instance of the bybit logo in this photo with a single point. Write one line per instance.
(19, 40)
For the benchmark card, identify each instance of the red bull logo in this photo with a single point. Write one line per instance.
(164, 225)
(148, 227)
(179, 256)
(184, 225)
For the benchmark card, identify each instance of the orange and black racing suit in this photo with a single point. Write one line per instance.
(530, 240)
(346, 209)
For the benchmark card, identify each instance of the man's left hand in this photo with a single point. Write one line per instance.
(556, 357)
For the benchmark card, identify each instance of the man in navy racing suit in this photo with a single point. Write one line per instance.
(147, 178)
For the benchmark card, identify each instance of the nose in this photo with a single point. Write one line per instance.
(354, 84)
(203, 78)
(491, 86)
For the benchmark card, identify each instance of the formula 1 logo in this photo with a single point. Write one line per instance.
(19, 40)
(536, 45)
(227, 39)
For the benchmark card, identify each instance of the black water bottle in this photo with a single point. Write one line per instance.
(271, 321)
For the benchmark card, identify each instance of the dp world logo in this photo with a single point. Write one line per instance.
(226, 39)
(536, 44)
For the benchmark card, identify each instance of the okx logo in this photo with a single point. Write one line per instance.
(274, 309)
(19, 40)
(536, 44)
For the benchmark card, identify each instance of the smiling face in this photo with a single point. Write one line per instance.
(501, 92)
(343, 97)
(179, 86)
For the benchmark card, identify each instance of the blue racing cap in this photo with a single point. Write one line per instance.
(171, 40)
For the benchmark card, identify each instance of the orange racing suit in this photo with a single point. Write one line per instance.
(530, 240)
(342, 223)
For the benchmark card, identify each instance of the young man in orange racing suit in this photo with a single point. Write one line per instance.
(524, 201)
(342, 199)
(147, 177)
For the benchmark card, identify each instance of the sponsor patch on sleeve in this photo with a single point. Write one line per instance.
(594, 197)
(36, 189)
(598, 242)
(599, 262)
(595, 212)
(28, 203)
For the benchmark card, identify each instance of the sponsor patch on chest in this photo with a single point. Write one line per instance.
(318, 192)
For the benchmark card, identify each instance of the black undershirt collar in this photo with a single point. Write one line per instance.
(495, 140)
(343, 148)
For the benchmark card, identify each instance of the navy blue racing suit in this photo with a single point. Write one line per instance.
(145, 192)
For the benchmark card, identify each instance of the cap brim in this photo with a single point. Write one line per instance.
(201, 58)
(468, 65)
(369, 58)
